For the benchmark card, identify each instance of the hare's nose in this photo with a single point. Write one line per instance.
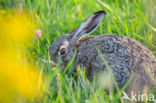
(53, 63)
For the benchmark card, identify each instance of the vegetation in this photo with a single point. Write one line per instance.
(131, 18)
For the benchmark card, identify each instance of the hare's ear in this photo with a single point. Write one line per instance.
(88, 26)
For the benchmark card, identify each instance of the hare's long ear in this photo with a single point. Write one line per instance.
(88, 26)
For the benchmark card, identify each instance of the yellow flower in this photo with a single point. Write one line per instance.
(18, 78)
(16, 28)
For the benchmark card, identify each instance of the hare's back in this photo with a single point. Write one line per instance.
(114, 47)
(124, 55)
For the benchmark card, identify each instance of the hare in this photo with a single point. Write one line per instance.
(124, 56)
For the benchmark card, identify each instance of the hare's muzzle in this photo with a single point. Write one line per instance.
(53, 63)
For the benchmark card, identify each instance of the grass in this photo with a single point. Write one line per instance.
(131, 18)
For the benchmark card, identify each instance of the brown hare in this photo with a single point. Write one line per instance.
(124, 56)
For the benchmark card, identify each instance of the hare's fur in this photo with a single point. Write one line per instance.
(124, 56)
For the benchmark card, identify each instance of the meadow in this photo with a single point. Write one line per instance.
(135, 19)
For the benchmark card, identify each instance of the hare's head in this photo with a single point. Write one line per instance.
(63, 48)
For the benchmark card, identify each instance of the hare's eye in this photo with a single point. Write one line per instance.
(63, 51)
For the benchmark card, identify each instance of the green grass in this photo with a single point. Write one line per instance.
(131, 18)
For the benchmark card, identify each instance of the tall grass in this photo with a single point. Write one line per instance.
(131, 18)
